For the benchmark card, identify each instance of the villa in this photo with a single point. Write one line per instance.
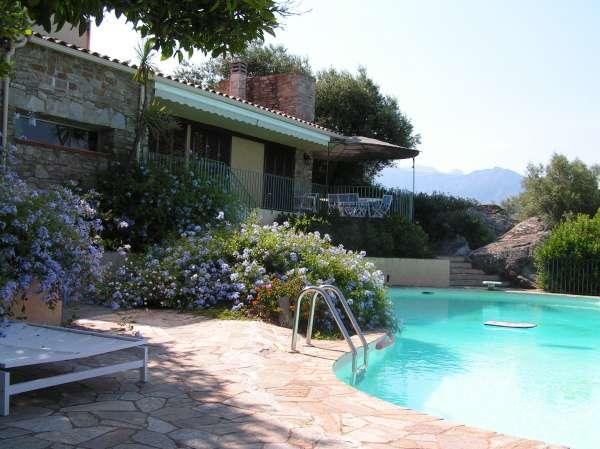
(71, 110)
(187, 334)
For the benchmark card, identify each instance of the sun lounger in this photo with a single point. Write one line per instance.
(28, 345)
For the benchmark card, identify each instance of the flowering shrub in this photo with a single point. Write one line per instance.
(142, 206)
(48, 237)
(189, 274)
(261, 252)
(250, 269)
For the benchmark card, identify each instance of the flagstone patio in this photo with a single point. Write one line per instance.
(224, 384)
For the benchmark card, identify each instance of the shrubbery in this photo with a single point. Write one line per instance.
(247, 269)
(569, 260)
(445, 217)
(46, 237)
(392, 236)
(142, 206)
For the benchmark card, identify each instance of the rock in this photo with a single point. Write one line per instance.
(56, 423)
(512, 255)
(158, 425)
(494, 218)
(458, 246)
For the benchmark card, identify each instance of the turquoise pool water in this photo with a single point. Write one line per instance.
(541, 383)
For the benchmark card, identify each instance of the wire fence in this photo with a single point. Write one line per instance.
(278, 193)
(570, 275)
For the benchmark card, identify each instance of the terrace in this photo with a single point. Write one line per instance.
(224, 384)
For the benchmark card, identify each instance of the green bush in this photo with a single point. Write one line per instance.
(569, 260)
(391, 236)
(445, 217)
(142, 206)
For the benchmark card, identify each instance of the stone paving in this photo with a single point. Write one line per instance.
(223, 384)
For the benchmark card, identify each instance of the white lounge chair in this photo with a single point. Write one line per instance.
(27, 344)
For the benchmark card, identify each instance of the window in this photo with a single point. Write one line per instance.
(205, 142)
(279, 160)
(53, 133)
(211, 144)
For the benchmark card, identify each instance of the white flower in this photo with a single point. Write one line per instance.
(221, 215)
(122, 224)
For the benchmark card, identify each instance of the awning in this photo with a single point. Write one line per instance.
(238, 116)
(360, 148)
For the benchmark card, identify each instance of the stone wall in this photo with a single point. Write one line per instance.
(289, 92)
(45, 167)
(54, 85)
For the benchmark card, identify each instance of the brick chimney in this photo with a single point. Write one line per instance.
(292, 93)
(237, 79)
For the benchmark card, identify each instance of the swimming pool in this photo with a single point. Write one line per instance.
(541, 383)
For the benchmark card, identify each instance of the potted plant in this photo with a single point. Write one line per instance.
(273, 299)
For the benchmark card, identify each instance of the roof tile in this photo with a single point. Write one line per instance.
(180, 81)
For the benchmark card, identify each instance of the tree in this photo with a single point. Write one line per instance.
(14, 25)
(354, 105)
(260, 60)
(562, 187)
(174, 27)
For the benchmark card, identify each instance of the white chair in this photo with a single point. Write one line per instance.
(306, 202)
(379, 209)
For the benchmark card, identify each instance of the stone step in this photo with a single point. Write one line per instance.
(453, 259)
(475, 277)
(460, 265)
(466, 283)
(465, 270)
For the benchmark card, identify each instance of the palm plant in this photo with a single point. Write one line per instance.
(143, 75)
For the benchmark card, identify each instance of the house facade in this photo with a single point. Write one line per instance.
(71, 111)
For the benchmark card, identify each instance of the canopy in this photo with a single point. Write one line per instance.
(360, 148)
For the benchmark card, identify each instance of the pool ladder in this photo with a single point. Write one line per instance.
(331, 294)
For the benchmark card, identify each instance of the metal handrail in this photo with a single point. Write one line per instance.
(352, 318)
(324, 292)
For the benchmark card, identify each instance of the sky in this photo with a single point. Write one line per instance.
(486, 84)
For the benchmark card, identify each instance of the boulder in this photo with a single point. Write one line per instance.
(458, 246)
(495, 218)
(511, 256)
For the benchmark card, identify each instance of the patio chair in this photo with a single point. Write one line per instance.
(332, 200)
(380, 209)
(306, 202)
(26, 345)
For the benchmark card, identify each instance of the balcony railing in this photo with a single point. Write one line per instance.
(279, 193)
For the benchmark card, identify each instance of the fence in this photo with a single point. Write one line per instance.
(571, 275)
(279, 193)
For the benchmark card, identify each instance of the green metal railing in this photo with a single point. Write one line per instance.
(278, 193)
(218, 172)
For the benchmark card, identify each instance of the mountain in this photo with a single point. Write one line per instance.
(487, 186)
